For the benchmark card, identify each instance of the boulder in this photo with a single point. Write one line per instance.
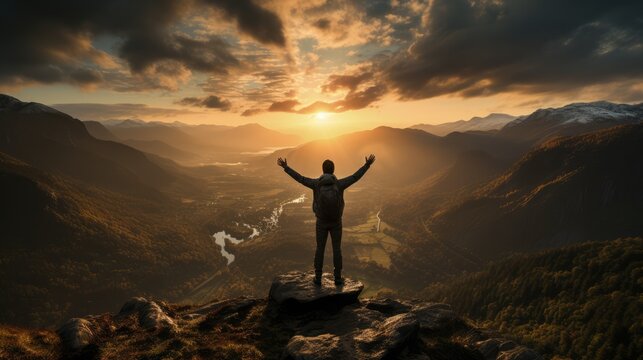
(435, 317)
(295, 291)
(322, 347)
(150, 315)
(77, 333)
(387, 338)
(386, 306)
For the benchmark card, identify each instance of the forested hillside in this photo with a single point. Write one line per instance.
(582, 301)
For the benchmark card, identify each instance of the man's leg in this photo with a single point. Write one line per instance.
(336, 238)
(322, 236)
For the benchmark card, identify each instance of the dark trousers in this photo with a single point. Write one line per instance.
(323, 228)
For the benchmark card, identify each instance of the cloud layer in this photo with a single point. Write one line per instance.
(55, 41)
(326, 55)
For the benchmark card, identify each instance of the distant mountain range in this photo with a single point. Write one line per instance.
(193, 144)
(404, 156)
(492, 121)
(572, 119)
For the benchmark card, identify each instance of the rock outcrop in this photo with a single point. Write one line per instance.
(295, 291)
(297, 321)
(77, 333)
(150, 315)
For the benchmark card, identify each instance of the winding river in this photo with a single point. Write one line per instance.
(266, 224)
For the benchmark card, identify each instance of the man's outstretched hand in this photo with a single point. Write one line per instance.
(370, 159)
(282, 162)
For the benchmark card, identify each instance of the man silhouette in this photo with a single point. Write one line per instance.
(328, 206)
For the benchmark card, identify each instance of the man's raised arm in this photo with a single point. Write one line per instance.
(307, 182)
(350, 180)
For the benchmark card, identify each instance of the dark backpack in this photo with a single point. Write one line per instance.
(329, 200)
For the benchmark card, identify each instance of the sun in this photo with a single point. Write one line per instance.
(321, 118)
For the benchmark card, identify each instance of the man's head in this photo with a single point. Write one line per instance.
(328, 167)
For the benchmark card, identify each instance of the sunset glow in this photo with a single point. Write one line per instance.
(359, 64)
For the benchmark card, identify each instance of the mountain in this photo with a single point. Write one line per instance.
(492, 121)
(447, 186)
(130, 130)
(69, 248)
(572, 119)
(50, 140)
(249, 137)
(296, 321)
(580, 188)
(578, 302)
(404, 156)
(100, 132)
(162, 149)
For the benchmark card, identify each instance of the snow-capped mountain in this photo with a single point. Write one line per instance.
(572, 119)
(9, 103)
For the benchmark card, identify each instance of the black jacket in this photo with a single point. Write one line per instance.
(313, 184)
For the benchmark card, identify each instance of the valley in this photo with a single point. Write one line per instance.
(112, 220)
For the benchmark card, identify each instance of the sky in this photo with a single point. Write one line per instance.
(322, 67)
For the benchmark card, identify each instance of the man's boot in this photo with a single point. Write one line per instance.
(318, 278)
(339, 280)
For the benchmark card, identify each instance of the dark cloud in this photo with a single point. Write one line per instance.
(349, 82)
(211, 55)
(263, 25)
(354, 100)
(284, 106)
(211, 102)
(323, 24)
(475, 48)
(53, 41)
(89, 111)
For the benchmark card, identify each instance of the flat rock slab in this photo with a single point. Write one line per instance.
(296, 291)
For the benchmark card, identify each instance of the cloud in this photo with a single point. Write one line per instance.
(478, 48)
(210, 102)
(354, 100)
(350, 82)
(90, 111)
(283, 106)
(263, 25)
(322, 24)
(252, 112)
(56, 41)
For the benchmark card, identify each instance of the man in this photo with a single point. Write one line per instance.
(328, 206)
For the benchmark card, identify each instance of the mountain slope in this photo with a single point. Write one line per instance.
(68, 248)
(100, 132)
(56, 142)
(161, 149)
(572, 119)
(492, 121)
(574, 189)
(581, 301)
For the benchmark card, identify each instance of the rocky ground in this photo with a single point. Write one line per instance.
(297, 321)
